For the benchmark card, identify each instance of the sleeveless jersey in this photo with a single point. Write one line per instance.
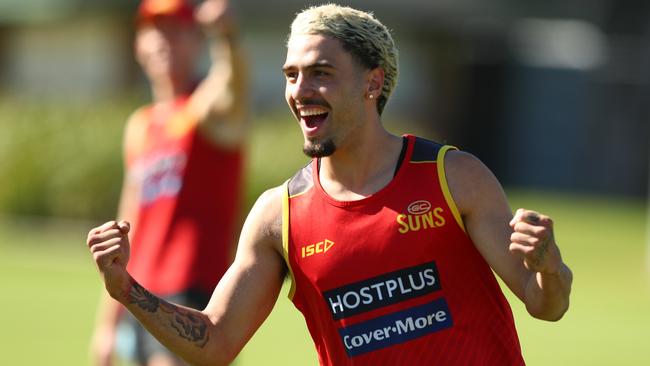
(189, 205)
(393, 279)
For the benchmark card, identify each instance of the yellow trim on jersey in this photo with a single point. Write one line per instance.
(445, 187)
(299, 194)
(422, 162)
(285, 236)
(182, 121)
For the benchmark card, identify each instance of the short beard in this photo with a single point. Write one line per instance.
(319, 149)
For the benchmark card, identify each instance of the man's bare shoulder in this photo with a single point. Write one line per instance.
(138, 117)
(136, 126)
(136, 130)
(270, 203)
(265, 218)
(463, 164)
(470, 181)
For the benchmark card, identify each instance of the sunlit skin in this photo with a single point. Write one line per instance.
(167, 44)
(166, 50)
(334, 100)
(323, 79)
(329, 92)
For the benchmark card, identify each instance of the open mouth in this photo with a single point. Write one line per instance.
(313, 117)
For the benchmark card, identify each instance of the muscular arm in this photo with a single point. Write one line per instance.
(240, 303)
(220, 100)
(545, 287)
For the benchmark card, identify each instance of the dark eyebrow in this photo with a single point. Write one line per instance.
(315, 65)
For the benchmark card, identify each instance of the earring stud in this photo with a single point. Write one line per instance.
(371, 96)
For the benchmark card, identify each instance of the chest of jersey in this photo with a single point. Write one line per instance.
(392, 274)
(337, 244)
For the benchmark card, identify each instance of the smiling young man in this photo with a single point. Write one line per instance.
(390, 241)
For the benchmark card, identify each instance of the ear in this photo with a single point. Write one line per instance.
(137, 46)
(375, 83)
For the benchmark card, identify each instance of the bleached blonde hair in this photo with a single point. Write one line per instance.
(360, 33)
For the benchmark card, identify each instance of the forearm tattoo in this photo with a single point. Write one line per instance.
(144, 299)
(188, 326)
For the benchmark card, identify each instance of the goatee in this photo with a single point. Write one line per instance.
(319, 149)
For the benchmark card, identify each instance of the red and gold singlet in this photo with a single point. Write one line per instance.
(189, 205)
(393, 279)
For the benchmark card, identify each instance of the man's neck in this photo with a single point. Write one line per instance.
(363, 168)
(167, 90)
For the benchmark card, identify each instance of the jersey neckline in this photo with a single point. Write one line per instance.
(373, 197)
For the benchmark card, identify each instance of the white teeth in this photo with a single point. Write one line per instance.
(311, 112)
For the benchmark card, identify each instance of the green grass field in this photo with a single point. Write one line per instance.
(49, 288)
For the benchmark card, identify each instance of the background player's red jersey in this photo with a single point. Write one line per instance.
(434, 301)
(189, 201)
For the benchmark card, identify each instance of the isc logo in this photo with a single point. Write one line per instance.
(318, 248)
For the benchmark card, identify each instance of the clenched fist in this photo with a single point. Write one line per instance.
(532, 238)
(215, 16)
(109, 245)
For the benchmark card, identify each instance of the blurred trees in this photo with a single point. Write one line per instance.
(61, 160)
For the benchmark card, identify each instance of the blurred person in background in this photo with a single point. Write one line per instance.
(183, 168)
(392, 242)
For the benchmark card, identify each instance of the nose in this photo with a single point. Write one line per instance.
(301, 88)
(157, 44)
